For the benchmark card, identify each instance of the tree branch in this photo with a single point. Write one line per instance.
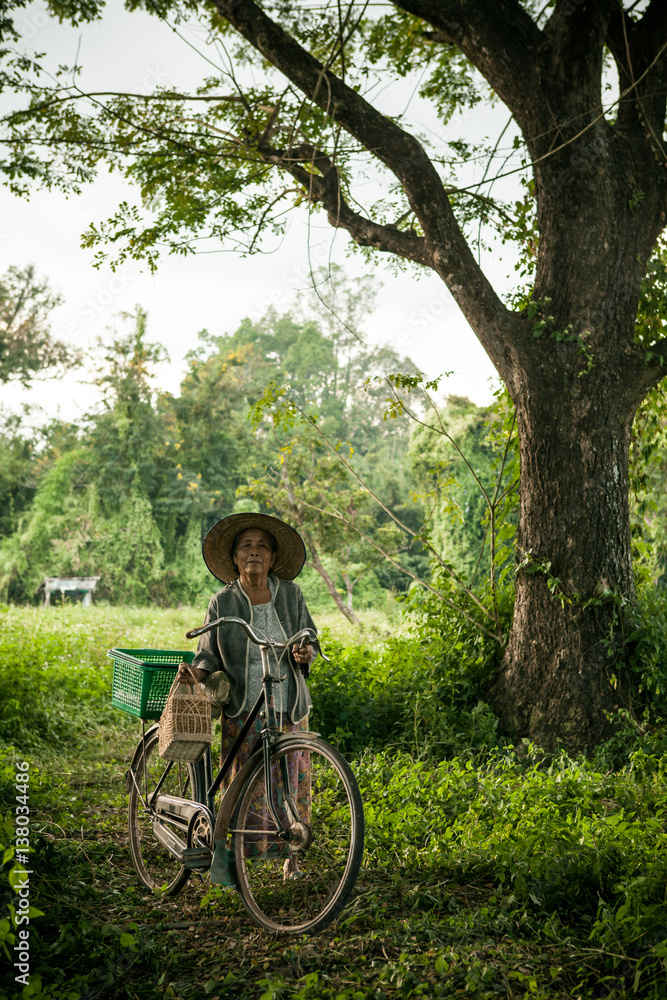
(401, 524)
(638, 48)
(45, 105)
(333, 512)
(401, 153)
(500, 39)
(326, 188)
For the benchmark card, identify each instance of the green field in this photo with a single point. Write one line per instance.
(490, 871)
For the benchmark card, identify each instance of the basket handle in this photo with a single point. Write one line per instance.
(193, 688)
(190, 671)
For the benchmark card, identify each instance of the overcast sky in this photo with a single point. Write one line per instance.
(416, 315)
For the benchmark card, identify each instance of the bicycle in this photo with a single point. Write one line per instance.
(173, 822)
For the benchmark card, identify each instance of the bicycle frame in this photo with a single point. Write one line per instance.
(267, 736)
(180, 811)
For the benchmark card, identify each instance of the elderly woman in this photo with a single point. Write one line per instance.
(258, 557)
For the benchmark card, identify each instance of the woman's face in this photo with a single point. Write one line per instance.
(254, 556)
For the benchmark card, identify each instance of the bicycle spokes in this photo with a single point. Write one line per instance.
(298, 878)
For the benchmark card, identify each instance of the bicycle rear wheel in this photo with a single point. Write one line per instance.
(299, 885)
(156, 866)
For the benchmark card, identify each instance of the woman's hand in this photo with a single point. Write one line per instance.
(188, 674)
(304, 655)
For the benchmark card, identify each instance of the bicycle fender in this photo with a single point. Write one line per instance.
(137, 756)
(231, 797)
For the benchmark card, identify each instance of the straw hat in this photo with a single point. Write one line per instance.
(217, 546)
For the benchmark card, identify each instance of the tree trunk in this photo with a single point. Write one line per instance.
(574, 557)
(330, 585)
(349, 587)
(576, 388)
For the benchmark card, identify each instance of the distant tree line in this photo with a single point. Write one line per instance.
(128, 492)
(370, 476)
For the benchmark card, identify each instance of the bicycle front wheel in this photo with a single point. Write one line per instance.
(156, 865)
(297, 880)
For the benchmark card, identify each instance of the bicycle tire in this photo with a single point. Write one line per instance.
(328, 866)
(155, 865)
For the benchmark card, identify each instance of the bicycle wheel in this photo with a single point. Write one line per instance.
(156, 865)
(299, 885)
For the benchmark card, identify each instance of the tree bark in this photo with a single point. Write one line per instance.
(576, 388)
(574, 565)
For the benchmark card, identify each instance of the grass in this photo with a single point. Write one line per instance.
(493, 873)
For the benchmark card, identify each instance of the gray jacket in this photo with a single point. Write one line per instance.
(227, 648)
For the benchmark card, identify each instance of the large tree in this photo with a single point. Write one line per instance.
(223, 161)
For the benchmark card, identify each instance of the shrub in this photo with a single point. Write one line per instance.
(647, 647)
(425, 688)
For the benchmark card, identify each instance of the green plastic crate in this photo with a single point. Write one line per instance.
(142, 678)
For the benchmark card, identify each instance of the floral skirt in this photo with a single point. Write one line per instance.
(298, 768)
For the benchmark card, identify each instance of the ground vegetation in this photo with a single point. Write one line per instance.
(491, 870)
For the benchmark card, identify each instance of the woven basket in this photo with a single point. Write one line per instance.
(185, 724)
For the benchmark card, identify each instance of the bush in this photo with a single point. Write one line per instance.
(422, 689)
(647, 646)
(427, 688)
(360, 698)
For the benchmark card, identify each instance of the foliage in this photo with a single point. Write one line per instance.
(128, 494)
(26, 345)
(297, 117)
(427, 687)
(646, 644)
(558, 840)
(422, 689)
(648, 470)
(317, 408)
(159, 141)
(54, 658)
(18, 457)
(470, 489)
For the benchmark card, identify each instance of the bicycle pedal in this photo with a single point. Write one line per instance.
(196, 857)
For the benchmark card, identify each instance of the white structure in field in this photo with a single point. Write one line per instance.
(70, 585)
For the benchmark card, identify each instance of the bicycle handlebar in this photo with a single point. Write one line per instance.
(250, 632)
